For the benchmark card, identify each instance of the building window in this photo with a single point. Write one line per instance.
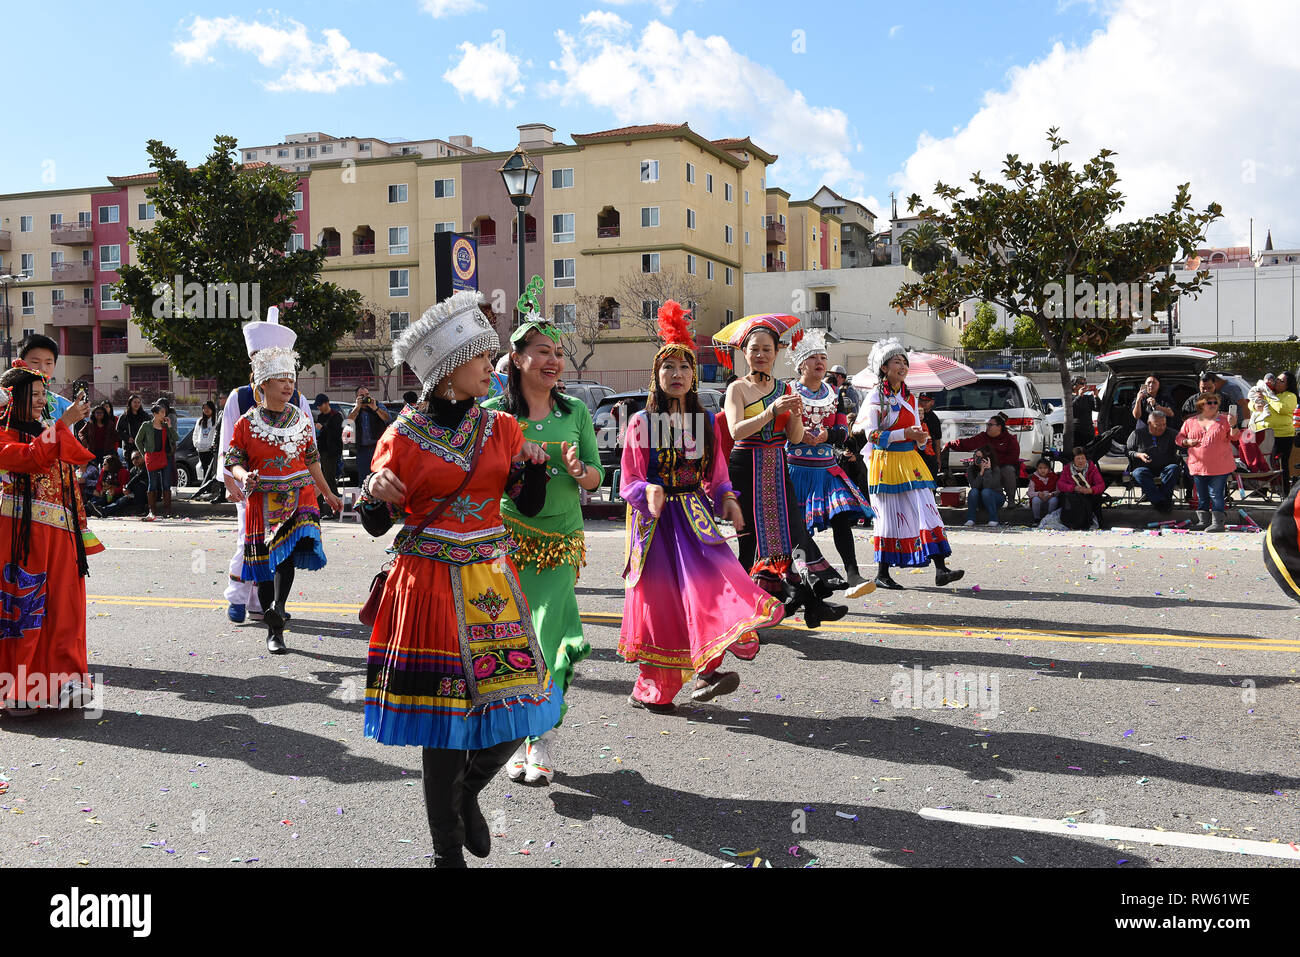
(326, 149)
(282, 154)
(444, 227)
(649, 171)
(83, 219)
(562, 178)
(650, 262)
(728, 235)
(708, 269)
(690, 264)
(250, 156)
(564, 275)
(746, 197)
(747, 237)
(366, 330)
(297, 152)
(397, 322)
(110, 257)
(690, 219)
(397, 194)
(566, 317)
(398, 240)
(56, 219)
(649, 216)
(781, 218)
(29, 302)
(444, 188)
(708, 182)
(56, 296)
(106, 298)
(147, 211)
(295, 243)
(731, 276)
(399, 282)
(727, 194)
(297, 201)
(690, 172)
(650, 309)
(311, 152)
(55, 259)
(363, 147)
(29, 265)
(731, 316)
(109, 214)
(26, 224)
(562, 227)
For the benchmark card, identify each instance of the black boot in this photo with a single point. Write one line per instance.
(483, 766)
(794, 598)
(274, 632)
(883, 580)
(444, 788)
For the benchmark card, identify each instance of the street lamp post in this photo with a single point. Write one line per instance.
(520, 176)
(6, 280)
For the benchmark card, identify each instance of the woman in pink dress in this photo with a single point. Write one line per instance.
(689, 600)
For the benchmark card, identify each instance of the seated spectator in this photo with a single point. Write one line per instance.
(89, 476)
(1154, 463)
(1257, 440)
(111, 485)
(134, 499)
(985, 481)
(1006, 451)
(1042, 490)
(1080, 487)
(1151, 396)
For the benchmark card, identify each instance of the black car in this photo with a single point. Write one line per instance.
(614, 412)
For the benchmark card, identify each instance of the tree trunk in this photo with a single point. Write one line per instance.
(1067, 437)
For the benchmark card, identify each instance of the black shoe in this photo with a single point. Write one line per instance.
(820, 588)
(793, 601)
(835, 583)
(482, 768)
(274, 632)
(822, 611)
(888, 583)
(452, 858)
(284, 614)
(948, 575)
(635, 702)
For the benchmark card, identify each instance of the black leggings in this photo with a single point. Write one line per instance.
(1282, 451)
(842, 534)
(274, 594)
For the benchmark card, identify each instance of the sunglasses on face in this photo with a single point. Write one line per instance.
(1212, 403)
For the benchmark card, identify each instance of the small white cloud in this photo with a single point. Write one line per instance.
(308, 67)
(666, 7)
(450, 8)
(894, 30)
(487, 71)
(604, 22)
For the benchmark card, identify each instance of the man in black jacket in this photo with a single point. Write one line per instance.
(1153, 461)
(329, 442)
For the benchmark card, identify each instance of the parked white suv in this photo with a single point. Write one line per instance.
(966, 410)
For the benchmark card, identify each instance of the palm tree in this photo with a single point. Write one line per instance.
(923, 249)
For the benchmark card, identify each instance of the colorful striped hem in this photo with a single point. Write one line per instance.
(898, 489)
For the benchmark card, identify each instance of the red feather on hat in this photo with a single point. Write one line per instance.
(796, 339)
(673, 328)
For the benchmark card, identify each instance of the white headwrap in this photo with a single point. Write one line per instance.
(272, 362)
(269, 334)
(881, 353)
(448, 335)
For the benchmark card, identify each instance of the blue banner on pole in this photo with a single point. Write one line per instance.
(464, 263)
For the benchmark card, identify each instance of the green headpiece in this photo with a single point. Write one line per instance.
(529, 306)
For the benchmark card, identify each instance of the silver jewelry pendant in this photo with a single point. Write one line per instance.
(450, 393)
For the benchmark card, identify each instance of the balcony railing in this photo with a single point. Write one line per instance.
(530, 236)
(488, 239)
(72, 234)
(6, 241)
(72, 272)
(363, 249)
(333, 249)
(775, 265)
(70, 313)
(606, 232)
(112, 344)
(819, 320)
(776, 233)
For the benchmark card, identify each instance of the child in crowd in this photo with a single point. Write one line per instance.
(1042, 490)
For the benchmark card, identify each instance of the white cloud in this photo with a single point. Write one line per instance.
(894, 30)
(666, 7)
(487, 71)
(308, 67)
(605, 22)
(450, 8)
(664, 77)
(1228, 131)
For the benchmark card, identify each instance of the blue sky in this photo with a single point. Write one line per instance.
(868, 97)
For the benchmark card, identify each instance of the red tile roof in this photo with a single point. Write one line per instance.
(140, 177)
(632, 131)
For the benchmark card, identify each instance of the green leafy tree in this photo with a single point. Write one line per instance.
(1026, 335)
(984, 331)
(225, 227)
(1040, 243)
(923, 248)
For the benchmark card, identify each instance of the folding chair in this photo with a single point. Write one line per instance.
(349, 508)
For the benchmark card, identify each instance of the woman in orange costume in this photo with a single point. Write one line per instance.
(42, 571)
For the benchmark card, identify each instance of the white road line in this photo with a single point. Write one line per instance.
(119, 548)
(1140, 834)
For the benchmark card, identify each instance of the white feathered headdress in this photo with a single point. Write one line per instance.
(881, 353)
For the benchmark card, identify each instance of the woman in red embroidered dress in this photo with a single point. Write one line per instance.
(273, 454)
(42, 552)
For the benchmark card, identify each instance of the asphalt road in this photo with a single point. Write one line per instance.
(1112, 667)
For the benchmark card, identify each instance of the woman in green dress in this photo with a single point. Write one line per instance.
(551, 544)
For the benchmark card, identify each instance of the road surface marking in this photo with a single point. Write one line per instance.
(1205, 842)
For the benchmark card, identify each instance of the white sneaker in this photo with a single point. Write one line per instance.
(970, 523)
(539, 767)
(75, 695)
(515, 766)
(993, 524)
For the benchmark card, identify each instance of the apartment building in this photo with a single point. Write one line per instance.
(857, 227)
(614, 204)
(801, 235)
(300, 151)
